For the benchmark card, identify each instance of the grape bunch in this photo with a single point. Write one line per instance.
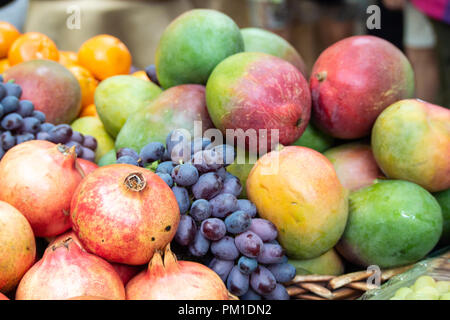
(19, 122)
(240, 247)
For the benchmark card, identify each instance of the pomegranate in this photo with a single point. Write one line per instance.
(3, 297)
(126, 272)
(87, 166)
(176, 280)
(124, 213)
(66, 271)
(38, 178)
(17, 246)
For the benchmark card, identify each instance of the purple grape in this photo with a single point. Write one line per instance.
(61, 133)
(127, 152)
(279, 293)
(25, 108)
(271, 253)
(43, 136)
(249, 244)
(12, 121)
(199, 144)
(88, 154)
(78, 148)
(223, 204)
(166, 177)
(238, 222)
(250, 295)
(127, 160)
(207, 186)
(2, 111)
(2, 90)
(185, 174)
(262, 281)
(39, 115)
(225, 249)
(200, 246)
(13, 89)
(152, 152)
(90, 142)
(187, 229)
(165, 167)
(221, 267)
(265, 229)
(7, 140)
(200, 210)
(247, 265)
(27, 136)
(31, 125)
(222, 172)
(283, 272)
(46, 127)
(77, 137)
(151, 74)
(180, 153)
(237, 282)
(247, 206)
(213, 229)
(182, 196)
(10, 104)
(206, 161)
(232, 185)
(226, 154)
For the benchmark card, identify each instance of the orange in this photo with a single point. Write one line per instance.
(4, 65)
(30, 46)
(8, 34)
(87, 83)
(68, 57)
(141, 74)
(89, 111)
(105, 56)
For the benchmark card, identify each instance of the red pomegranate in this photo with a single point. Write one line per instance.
(87, 166)
(66, 271)
(124, 213)
(17, 246)
(126, 272)
(38, 178)
(176, 280)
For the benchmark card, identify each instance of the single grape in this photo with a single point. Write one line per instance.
(207, 186)
(223, 204)
(39, 115)
(232, 185)
(185, 174)
(30, 124)
(237, 282)
(166, 177)
(27, 136)
(43, 136)
(187, 229)
(127, 152)
(199, 144)
(88, 154)
(265, 229)
(247, 206)
(150, 70)
(90, 142)
(12, 121)
(247, 265)
(213, 229)
(182, 196)
(127, 160)
(152, 152)
(78, 148)
(238, 222)
(279, 293)
(225, 249)
(270, 253)
(283, 272)
(13, 89)
(77, 137)
(249, 244)
(200, 246)
(7, 140)
(207, 160)
(165, 167)
(25, 108)
(200, 210)
(10, 104)
(262, 281)
(221, 267)
(250, 295)
(61, 133)
(226, 154)
(46, 127)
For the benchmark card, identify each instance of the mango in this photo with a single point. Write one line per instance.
(315, 139)
(116, 98)
(297, 189)
(443, 198)
(391, 223)
(328, 263)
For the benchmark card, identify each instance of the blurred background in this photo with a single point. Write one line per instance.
(421, 28)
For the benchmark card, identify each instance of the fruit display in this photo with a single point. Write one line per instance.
(220, 171)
